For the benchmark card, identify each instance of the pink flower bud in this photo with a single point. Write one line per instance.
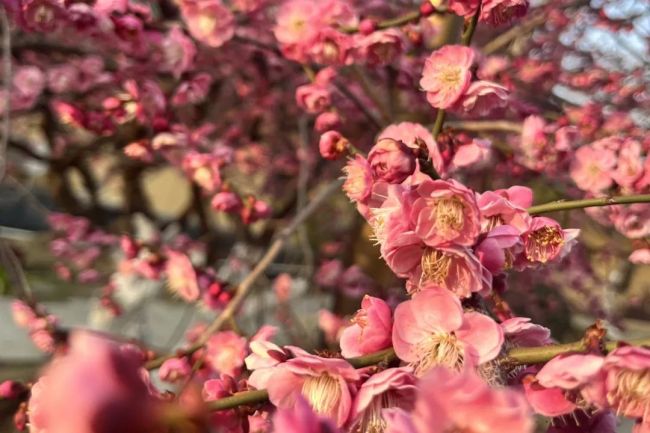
(326, 121)
(332, 145)
(10, 389)
(226, 201)
(367, 26)
(391, 160)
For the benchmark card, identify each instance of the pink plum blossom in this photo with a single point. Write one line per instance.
(414, 136)
(300, 418)
(446, 75)
(358, 179)
(333, 145)
(431, 329)
(391, 160)
(520, 331)
(225, 352)
(481, 98)
(545, 240)
(505, 207)
(499, 12)
(175, 369)
(209, 21)
(181, 276)
(370, 330)
(592, 168)
(627, 372)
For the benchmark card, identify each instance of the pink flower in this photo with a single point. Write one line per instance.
(175, 370)
(446, 75)
(370, 331)
(10, 389)
(495, 250)
(592, 168)
(454, 268)
(414, 135)
(331, 325)
(22, 314)
(193, 91)
(332, 145)
(464, 8)
(282, 286)
(499, 12)
(96, 387)
(431, 329)
(327, 121)
(505, 206)
(551, 402)
(393, 387)
(178, 51)
(445, 213)
(313, 98)
(326, 383)
(225, 352)
(209, 21)
(481, 98)
(226, 201)
(629, 167)
(181, 276)
(300, 418)
(449, 401)
(203, 169)
(391, 160)
(640, 256)
(331, 47)
(520, 331)
(627, 371)
(380, 47)
(545, 240)
(358, 179)
(633, 220)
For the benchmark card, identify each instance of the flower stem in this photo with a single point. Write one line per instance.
(588, 202)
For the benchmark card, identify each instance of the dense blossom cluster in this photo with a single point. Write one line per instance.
(251, 103)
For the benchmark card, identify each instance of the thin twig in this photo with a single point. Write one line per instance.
(588, 202)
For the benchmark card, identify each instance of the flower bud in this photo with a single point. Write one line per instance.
(391, 160)
(332, 145)
(367, 26)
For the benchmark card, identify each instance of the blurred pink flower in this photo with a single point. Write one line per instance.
(481, 98)
(332, 145)
(178, 51)
(370, 330)
(181, 276)
(300, 418)
(175, 370)
(225, 352)
(447, 75)
(358, 179)
(414, 135)
(209, 21)
(331, 325)
(592, 168)
(431, 329)
(499, 12)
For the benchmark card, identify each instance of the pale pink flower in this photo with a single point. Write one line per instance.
(481, 98)
(22, 314)
(520, 331)
(505, 206)
(203, 169)
(431, 329)
(640, 256)
(447, 75)
(632, 220)
(445, 213)
(331, 325)
(592, 168)
(454, 268)
(282, 286)
(327, 384)
(380, 47)
(448, 401)
(175, 370)
(96, 387)
(332, 145)
(391, 160)
(415, 135)
(358, 179)
(297, 25)
(225, 352)
(181, 276)
(545, 240)
(178, 51)
(370, 330)
(629, 167)
(499, 12)
(300, 418)
(627, 371)
(391, 388)
(209, 21)
(476, 151)
(331, 47)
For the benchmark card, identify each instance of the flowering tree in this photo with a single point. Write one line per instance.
(476, 139)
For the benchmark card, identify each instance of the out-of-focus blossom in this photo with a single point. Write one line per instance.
(181, 276)
(592, 168)
(209, 21)
(225, 352)
(332, 145)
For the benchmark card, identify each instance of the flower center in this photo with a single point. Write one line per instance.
(632, 393)
(206, 23)
(448, 213)
(435, 266)
(450, 76)
(439, 348)
(323, 393)
(371, 420)
(542, 244)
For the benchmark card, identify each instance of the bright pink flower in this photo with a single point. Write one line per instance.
(505, 206)
(326, 383)
(520, 331)
(391, 160)
(499, 12)
(592, 168)
(454, 268)
(481, 98)
(10, 389)
(333, 145)
(551, 402)
(445, 213)
(393, 387)
(627, 371)
(358, 179)
(181, 276)
(545, 240)
(300, 418)
(178, 51)
(225, 352)
(226, 201)
(431, 329)
(414, 135)
(313, 98)
(209, 21)
(370, 331)
(495, 250)
(447, 75)
(28, 83)
(97, 387)
(464, 8)
(449, 401)
(175, 370)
